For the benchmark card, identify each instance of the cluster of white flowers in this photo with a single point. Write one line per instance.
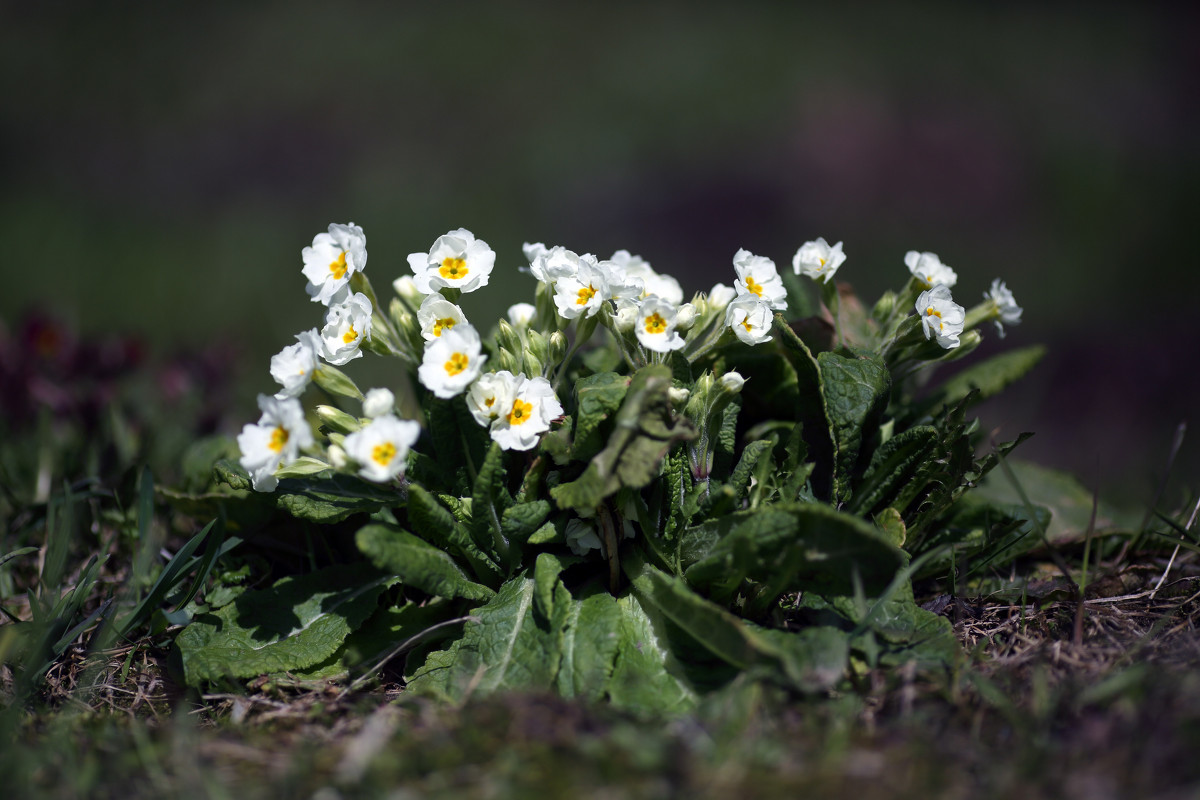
(643, 308)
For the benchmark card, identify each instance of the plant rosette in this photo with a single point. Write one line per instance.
(614, 493)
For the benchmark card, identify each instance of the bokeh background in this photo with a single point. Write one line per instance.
(162, 165)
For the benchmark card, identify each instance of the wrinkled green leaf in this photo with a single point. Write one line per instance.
(521, 520)
(856, 392)
(296, 623)
(990, 377)
(599, 397)
(417, 563)
(893, 465)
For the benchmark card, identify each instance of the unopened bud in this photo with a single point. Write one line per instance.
(336, 382)
(685, 317)
(533, 367)
(626, 318)
(508, 361)
(378, 402)
(720, 296)
(406, 288)
(337, 420)
(678, 396)
(538, 345)
(507, 338)
(338, 457)
(558, 347)
(521, 315)
(732, 382)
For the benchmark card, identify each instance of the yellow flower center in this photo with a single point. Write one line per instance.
(338, 268)
(489, 402)
(520, 412)
(746, 324)
(457, 363)
(453, 268)
(383, 453)
(585, 294)
(655, 323)
(753, 286)
(442, 324)
(350, 335)
(822, 261)
(279, 438)
(933, 312)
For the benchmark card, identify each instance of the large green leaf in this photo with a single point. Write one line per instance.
(790, 547)
(599, 397)
(417, 563)
(990, 377)
(646, 676)
(644, 431)
(332, 499)
(488, 503)
(893, 465)
(296, 623)
(591, 639)
(434, 523)
(856, 391)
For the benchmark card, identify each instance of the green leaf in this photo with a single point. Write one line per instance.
(591, 639)
(644, 431)
(599, 397)
(546, 570)
(303, 467)
(892, 466)
(297, 623)
(751, 455)
(432, 522)
(990, 377)
(805, 547)
(646, 676)
(856, 392)
(521, 520)
(488, 502)
(505, 649)
(417, 563)
(233, 475)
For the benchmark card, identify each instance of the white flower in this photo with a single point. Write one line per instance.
(583, 293)
(750, 319)
(521, 315)
(626, 316)
(929, 269)
(655, 326)
(347, 325)
(381, 447)
(457, 260)
(491, 395)
(581, 536)
(941, 317)
(534, 251)
(757, 276)
(550, 264)
(653, 282)
(332, 259)
(1008, 311)
(276, 439)
(818, 260)
(685, 317)
(437, 315)
(379, 403)
(732, 382)
(720, 296)
(534, 406)
(292, 367)
(451, 362)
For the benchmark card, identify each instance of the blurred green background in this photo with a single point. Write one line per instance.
(162, 166)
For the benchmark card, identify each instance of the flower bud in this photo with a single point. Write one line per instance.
(337, 420)
(678, 396)
(406, 288)
(720, 296)
(685, 317)
(538, 346)
(378, 402)
(558, 347)
(336, 382)
(508, 361)
(732, 382)
(507, 338)
(533, 367)
(521, 315)
(337, 457)
(626, 318)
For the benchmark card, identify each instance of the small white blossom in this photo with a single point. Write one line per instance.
(293, 366)
(1007, 310)
(750, 319)
(378, 403)
(452, 361)
(655, 283)
(929, 269)
(655, 326)
(381, 447)
(583, 293)
(521, 315)
(457, 260)
(757, 276)
(331, 260)
(818, 260)
(437, 315)
(347, 326)
(491, 395)
(276, 440)
(941, 317)
(685, 316)
(550, 264)
(626, 316)
(720, 296)
(534, 407)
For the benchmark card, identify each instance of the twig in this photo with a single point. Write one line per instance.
(1188, 527)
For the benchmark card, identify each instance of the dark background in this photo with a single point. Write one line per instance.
(161, 166)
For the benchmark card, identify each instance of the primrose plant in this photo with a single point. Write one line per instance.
(614, 492)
